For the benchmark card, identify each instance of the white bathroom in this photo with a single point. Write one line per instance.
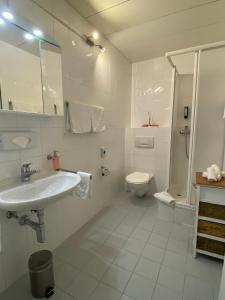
(112, 149)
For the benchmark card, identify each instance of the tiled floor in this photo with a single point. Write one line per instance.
(127, 253)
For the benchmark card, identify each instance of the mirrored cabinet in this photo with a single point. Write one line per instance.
(30, 70)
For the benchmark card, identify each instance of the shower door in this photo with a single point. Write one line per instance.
(182, 125)
(209, 136)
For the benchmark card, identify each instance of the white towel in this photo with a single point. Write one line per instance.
(217, 172)
(21, 141)
(211, 174)
(165, 198)
(97, 118)
(83, 189)
(79, 118)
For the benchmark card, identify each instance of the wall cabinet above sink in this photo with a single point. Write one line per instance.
(30, 70)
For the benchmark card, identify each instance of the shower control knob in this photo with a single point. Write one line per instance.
(182, 131)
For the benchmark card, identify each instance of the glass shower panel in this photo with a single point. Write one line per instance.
(209, 139)
(181, 125)
(181, 136)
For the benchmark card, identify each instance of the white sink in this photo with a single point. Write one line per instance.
(39, 193)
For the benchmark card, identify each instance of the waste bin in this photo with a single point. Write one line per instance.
(41, 274)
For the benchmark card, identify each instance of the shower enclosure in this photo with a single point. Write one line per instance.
(197, 135)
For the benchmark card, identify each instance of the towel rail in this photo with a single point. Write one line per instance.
(70, 171)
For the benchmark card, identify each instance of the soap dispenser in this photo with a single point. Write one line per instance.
(55, 158)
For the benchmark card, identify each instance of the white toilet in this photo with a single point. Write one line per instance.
(138, 183)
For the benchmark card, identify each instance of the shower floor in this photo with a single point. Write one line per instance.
(179, 193)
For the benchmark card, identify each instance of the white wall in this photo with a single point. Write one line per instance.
(151, 92)
(103, 79)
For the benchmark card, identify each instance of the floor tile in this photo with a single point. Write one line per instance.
(79, 258)
(134, 246)
(116, 240)
(124, 297)
(103, 292)
(147, 224)
(106, 252)
(98, 236)
(172, 279)
(153, 253)
(64, 275)
(64, 296)
(178, 246)
(126, 260)
(98, 262)
(198, 289)
(175, 261)
(158, 240)
(181, 232)
(140, 288)
(82, 287)
(147, 268)
(204, 267)
(124, 229)
(163, 228)
(96, 267)
(140, 234)
(116, 277)
(163, 293)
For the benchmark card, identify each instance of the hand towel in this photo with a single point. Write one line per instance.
(211, 174)
(165, 198)
(21, 141)
(97, 118)
(83, 189)
(79, 116)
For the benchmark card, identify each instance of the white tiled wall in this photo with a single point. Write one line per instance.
(151, 92)
(154, 161)
(102, 79)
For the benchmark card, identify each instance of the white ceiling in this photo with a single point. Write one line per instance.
(143, 29)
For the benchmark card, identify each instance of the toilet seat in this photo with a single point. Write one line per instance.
(138, 178)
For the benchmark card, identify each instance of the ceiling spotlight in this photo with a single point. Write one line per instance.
(28, 36)
(73, 43)
(2, 21)
(102, 49)
(95, 35)
(7, 15)
(37, 32)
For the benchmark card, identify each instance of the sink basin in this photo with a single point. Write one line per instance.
(39, 193)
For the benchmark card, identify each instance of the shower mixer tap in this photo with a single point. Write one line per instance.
(186, 130)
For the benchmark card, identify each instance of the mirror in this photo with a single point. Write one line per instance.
(30, 71)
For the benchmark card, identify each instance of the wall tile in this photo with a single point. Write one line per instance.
(103, 79)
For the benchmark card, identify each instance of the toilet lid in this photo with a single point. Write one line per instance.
(138, 177)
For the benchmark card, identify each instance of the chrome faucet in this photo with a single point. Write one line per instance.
(26, 172)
